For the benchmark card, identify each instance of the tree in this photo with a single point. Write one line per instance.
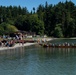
(6, 28)
(45, 20)
(36, 25)
(1, 30)
(58, 31)
(34, 10)
(40, 12)
(19, 22)
(11, 28)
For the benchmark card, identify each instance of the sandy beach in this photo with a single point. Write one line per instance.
(22, 45)
(17, 45)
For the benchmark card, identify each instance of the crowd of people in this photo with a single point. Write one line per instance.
(62, 44)
(9, 41)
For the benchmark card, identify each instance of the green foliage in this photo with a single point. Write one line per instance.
(30, 23)
(58, 31)
(1, 30)
(53, 20)
(7, 28)
(37, 25)
(11, 28)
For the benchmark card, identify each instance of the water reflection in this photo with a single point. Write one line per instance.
(60, 61)
(49, 54)
(59, 51)
(37, 52)
(11, 55)
(35, 60)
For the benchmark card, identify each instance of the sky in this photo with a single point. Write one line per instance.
(30, 3)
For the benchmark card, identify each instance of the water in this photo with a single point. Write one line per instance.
(36, 60)
(60, 41)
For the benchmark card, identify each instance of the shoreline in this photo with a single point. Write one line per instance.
(29, 44)
(25, 44)
(17, 46)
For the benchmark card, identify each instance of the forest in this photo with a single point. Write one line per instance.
(53, 20)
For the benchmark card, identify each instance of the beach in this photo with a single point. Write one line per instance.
(17, 45)
(22, 45)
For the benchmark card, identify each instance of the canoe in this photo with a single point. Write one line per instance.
(59, 46)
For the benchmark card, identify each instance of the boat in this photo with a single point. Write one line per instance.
(59, 46)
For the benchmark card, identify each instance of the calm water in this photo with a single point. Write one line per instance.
(36, 60)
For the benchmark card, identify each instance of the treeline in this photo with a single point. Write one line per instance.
(53, 20)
